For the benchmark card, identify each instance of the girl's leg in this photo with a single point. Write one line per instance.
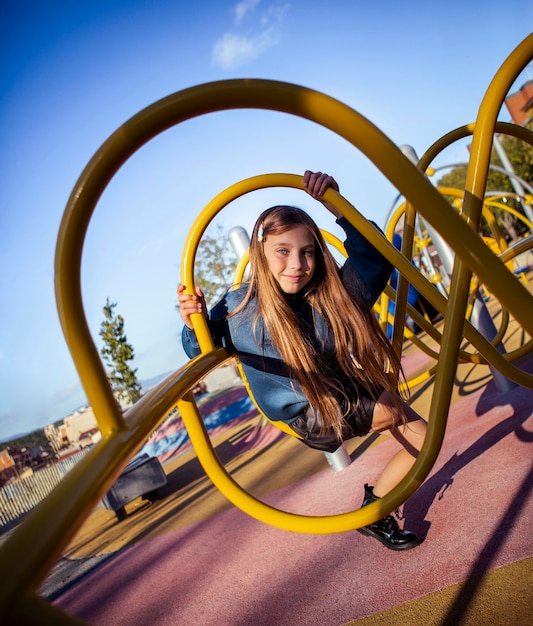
(410, 435)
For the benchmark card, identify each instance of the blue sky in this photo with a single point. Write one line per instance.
(73, 72)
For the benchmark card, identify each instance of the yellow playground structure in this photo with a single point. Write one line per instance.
(32, 549)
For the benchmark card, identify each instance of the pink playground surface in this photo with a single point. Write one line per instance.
(475, 511)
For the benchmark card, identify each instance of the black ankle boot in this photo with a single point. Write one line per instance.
(387, 530)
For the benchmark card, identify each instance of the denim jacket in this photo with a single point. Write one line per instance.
(364, 274)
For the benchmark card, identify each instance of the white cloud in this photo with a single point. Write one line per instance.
(235, 49)
(274, 12)
(244, 7)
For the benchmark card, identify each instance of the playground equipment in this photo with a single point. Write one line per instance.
(31, 551)
(425, 235)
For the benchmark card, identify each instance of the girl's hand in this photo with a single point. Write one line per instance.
(190, 303)
(316, 183)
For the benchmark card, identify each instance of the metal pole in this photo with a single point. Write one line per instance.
(481, 318)
(240, 240)
(338, 460)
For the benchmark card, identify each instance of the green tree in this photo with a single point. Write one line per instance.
(35, 439)
(520, 155)
(215, 264)
(117, 352)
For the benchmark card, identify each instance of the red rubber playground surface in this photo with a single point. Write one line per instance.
(192, 558)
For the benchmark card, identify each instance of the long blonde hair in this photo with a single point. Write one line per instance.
(361, 349)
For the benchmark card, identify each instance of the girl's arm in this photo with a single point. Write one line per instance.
(365, 263)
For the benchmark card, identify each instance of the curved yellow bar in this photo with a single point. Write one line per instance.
(503, 128)
(495, 201)
(188, 410)
(34, 546)
(475, 192)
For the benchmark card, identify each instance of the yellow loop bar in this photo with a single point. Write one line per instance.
(187, 406)
(472, 205)
(304, 103)
(503, 128)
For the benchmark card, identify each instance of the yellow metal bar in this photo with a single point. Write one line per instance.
(36, 544)
(189, 410)
(475, 191)
(485, 125)
(503, 128)
(402, 293)
(254, 507)
(68, 289)
(241, 267)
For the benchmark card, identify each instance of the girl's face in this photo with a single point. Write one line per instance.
(291, 258)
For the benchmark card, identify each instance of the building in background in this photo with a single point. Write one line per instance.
(520, 104)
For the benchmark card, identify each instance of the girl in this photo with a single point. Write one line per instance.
(311, 348)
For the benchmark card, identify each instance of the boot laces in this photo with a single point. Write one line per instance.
(389, 524)
(389, 518)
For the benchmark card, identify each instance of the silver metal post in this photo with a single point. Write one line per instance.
(338, 460)
(240, 240)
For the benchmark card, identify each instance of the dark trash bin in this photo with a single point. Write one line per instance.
(142, 477)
